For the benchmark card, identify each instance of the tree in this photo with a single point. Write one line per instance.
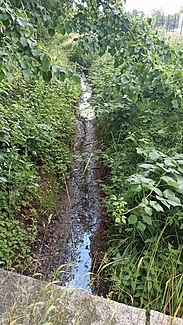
(20, 21)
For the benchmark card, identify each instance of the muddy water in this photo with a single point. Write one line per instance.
(83, 195)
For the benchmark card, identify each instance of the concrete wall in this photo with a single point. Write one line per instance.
(24, 300)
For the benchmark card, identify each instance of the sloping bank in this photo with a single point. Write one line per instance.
(37, 126)
(141, 142)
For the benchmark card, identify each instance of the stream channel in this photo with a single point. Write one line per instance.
(65, 248)
(84, 209)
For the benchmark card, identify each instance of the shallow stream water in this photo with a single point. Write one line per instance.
(83, 195)
(63, 248)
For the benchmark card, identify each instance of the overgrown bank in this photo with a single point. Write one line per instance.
(138, 101)
(137, 81)
(37, 127)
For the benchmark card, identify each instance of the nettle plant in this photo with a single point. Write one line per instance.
(154, 192)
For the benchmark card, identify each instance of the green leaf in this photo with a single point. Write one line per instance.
(132, 219)
(164, 201)
(2, 75)
(156, 206)
(175, 202)
(3, 180)
(23, 64)
(145, 201)
(140, 151)
(155, 155)
(148, 166)
(22, 22)
(147, 220)
(141, 226)
(136, 188)
(23, 41)
(157, 191)
(117, 220)
(169, 194)
(175, 104)
(45, 64)
(170, 181)
(47, 76)
(76, 78)
(51, 32)
(27, 73)
(149, 211)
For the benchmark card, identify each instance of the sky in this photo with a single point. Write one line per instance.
(169, 6)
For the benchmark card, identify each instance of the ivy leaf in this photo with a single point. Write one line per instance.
(136, 188)
(141, 151)
(155, 155)
(22, 22)
(45, 64)
(23, 41)
(145, 201)
(180, 181)
(27, 73)
(47, 75)
(23, 64)
(168, 162)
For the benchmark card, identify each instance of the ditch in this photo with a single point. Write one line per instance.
(63, 251)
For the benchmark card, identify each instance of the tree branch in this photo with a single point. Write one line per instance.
(93, 8)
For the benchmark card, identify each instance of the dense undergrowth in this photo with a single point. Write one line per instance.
(141, 118)
(137, 94)
(137, 81)
(37, 126)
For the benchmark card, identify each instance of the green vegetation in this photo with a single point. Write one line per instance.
(37, 126)
(138, 101)
(137, 81)
(23, 27)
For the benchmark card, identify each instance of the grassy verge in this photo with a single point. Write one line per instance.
(141, 139)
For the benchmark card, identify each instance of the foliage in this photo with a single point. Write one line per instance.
(21, 48)
(17, 43)
(138, 102)
(37, 126)
(14, 241)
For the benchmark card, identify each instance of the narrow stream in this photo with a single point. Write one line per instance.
(84, 196)
(63, 248)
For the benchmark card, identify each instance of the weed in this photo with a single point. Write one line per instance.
(37, 127)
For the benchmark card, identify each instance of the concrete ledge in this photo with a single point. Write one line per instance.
(157, 318)
(24, 300)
